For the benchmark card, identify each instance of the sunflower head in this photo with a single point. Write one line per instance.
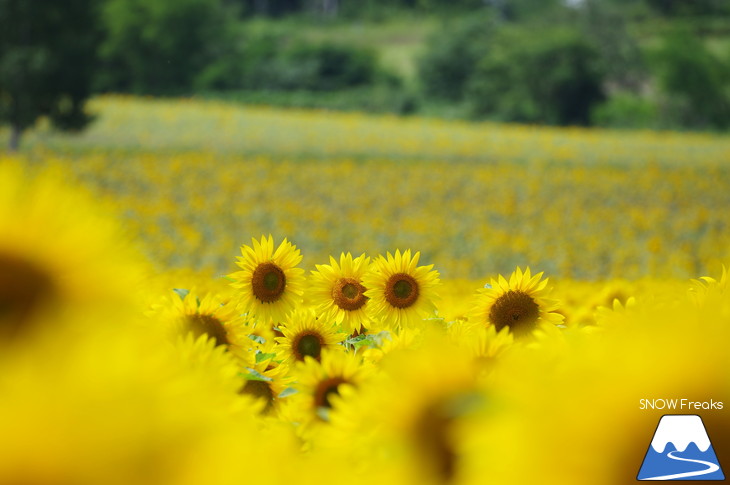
(322, 382)
(307, 336)
(338, 293)
(401, 292)
(24, 288)
(55, 247)
(519, 304)
(270, 284)
(265, 384)
(207, 317)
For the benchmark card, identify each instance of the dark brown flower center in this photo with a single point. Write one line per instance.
(307, 344)
(24, 288)
(432, 436)
(262, 390)
(209, 325)
(401, 290)
(348, 294)
(268, 282)
(517, 310)
(326, 389)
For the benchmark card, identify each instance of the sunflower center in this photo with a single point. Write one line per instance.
(401, 290)
(517, 310)
(209, 325)
(326, 389)
(348, 294)
(432, 435)
(23, 289)
(308, 344)
(268, 282)
(261, 390)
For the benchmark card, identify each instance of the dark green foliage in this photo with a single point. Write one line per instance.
(47, 57)
(625, 110)
(161, 46)
(278, 63)
(452, 55)
(690, 7)
(607, 26)
(555, 77)
(694, 81)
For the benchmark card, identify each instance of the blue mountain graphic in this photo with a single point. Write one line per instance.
(663, 464)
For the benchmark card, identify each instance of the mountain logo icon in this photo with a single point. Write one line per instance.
(680, 450)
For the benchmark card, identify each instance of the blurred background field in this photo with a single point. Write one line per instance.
(197, 178)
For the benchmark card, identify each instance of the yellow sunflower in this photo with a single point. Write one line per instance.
(322, 382)
(521, 304)
(337, 291)
(271, 285)
(305, 335)
(187, 313)
(401, 292)
(59, 250)
(267, 381)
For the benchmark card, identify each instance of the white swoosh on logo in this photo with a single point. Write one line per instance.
(712, 468)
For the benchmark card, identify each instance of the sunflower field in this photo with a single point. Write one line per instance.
(194, 292)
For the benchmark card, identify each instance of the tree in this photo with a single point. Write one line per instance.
(161, 46)
(694, 81)
(47, 57)
(555, 78)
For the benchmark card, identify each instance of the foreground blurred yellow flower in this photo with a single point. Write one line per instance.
(58, 251)
(270, 283)
(401, 293)
(338, 293)
(519, 304)
(306, 336)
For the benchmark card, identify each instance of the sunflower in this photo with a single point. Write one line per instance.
(55, 251)
(271, 285)
(337, 292)
(188, 314)
(484, 344)
(401, 292)
(423, 401)
(305, 335)
(267, 381)
(519, 304)
(322, 382)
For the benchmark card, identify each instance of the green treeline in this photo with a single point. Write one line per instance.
(619, 63)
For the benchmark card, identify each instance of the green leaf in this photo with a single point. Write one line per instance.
(181, 292)
(261, 357)
(257, 339)
(368, 340)
(287, 392)
(254, 375)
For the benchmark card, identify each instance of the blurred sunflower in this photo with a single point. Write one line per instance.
(484, 344)
(401, 292)
(54, 250)
(271, 285)
(266, 383)
(322, 382)
(519, 304)
(337, 291)
(416, 414)
(306, 336)
(187, 313)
